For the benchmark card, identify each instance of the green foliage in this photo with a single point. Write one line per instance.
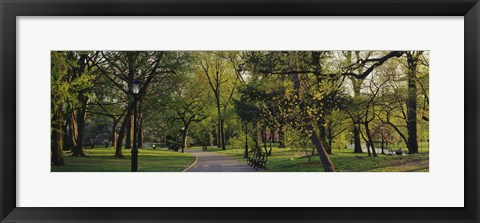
(300, 142)
(71, 75)
(238, 141)
(59, 87)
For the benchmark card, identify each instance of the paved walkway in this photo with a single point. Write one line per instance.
(215, 162)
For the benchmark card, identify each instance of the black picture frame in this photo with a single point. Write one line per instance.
(10, 9)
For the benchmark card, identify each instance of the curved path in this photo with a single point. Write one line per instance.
(216, 162)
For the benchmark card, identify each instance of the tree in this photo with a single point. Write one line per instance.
(72, 77)
(401, 100)
(83, 69)
(220, 74)
(370, 112)
(108, 102)
(356, 86)
(322, 153)
(302, 143)
(59, 94)
(393, 101)
(189, 102)
(336, 123)
(300, 106)
(258, 104)
(412, 62)
(121, 68)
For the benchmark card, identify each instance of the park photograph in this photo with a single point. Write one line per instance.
(239, 111)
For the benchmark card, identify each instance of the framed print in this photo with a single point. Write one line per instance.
(239, 111)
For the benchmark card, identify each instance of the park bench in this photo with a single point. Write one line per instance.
(250, 158)
(259, 160)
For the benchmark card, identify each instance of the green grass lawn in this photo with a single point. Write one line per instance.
(287, 160)
(149, 160)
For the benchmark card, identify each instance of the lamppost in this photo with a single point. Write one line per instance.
(135, 90)
(381, 127)
(246, 140)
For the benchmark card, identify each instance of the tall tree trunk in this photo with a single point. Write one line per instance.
(356, 139)
(222, 134)
(219, 141)
(356, 131)
(323, 136)
(57, 137)
(121, 134)
(322, 153)
(330, 145)
(73, 136)
(219, 121)
(370, 141)
(114, 132)
(412, 103)
(367, 142)
(79, 149)
(215, 137)
(66, 136)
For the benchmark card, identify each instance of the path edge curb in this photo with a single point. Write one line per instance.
(191, 165)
